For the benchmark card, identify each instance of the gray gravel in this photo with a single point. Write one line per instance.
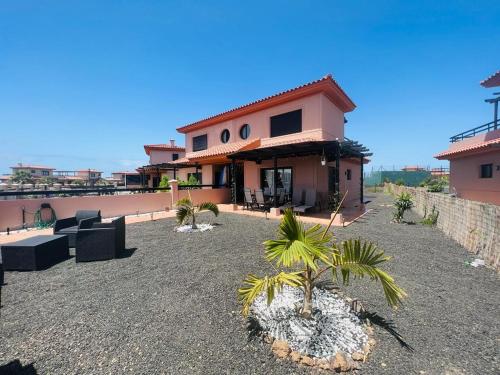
(171, 306)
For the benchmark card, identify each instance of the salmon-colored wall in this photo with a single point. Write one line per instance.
(308, 173)
(465, 177)
(352, 185)
(110, 205)
(320, 120)
(157, 156)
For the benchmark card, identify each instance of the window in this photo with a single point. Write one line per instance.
(33, 171)
(283, 181)
(245, 131)
(224, 136)
(486, 170)
(200, 142)
(175, 156)
(45, 173)
(348, 173)
(286, 123)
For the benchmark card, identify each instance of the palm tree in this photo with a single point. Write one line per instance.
(314, 251)
(186, 210)
(22, 177)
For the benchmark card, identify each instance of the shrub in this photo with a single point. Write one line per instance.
(400, 182)
(301, 256)
(402, 204)
(187, 210)
(164, 183)
(432, 218)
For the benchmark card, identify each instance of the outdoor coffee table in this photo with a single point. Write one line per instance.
(35, 253)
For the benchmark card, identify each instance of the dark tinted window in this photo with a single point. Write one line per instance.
(245, 131)
(487, 171)
(224, 136)
(200, 142)
(175, 156)
(286, 123)
(348, 174)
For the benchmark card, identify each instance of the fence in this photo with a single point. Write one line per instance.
(475, 225)
(18, 213)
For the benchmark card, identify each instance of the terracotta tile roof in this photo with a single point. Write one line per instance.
(491, 81)
(22, 166)
(468, 147)
(163, 147)
(183, 160)
(326, 84)
(224, 149)
(272, 143)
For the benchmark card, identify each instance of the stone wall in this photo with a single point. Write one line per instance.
(474, 225)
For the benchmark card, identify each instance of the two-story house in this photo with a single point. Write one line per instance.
(474, 157)
(160, 155)
(36, 171)
(293, 140)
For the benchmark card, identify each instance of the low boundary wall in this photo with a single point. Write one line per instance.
(11, 214)
(475, 225)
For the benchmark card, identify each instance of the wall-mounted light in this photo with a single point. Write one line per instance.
(323, 158)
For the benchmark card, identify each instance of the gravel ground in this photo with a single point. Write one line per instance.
(170, 307)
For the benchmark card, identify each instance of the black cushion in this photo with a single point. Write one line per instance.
(86, 214)
(73, 229)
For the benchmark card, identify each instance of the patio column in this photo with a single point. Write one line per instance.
(361, 198)
(337, 168)
(175, 173)
(197, 174)
(275, 180)
(233, 181)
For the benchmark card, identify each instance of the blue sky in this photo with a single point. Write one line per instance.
(85, 84)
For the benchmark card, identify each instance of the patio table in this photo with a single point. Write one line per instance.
(35, 253)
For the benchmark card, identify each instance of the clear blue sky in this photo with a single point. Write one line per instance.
(88, 83)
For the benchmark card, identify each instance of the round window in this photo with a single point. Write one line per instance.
(245, 131)
(224, 136)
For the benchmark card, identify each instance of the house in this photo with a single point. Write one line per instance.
(126, 178)
(293, 140)
(36, 171)
(413, 168)
(474, 157)
(160, 155)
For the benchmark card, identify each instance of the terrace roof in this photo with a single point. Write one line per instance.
(346, 148)
(492, 81)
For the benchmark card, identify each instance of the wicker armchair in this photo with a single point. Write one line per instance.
(83, 219)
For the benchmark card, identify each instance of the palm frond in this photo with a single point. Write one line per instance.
(183, 214)
(361, 259)
(209, 206)
(184, 202)
(295, 244)
(253, 286)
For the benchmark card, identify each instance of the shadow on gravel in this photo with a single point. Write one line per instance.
(127, 253)
(16, 368)
(388, 325)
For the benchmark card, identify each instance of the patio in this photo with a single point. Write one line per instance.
(170, 305)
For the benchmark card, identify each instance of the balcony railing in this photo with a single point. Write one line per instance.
(472, 132)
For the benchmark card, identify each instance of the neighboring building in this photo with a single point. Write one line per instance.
(159, 156)
(292, 140)
(440, 172)
(474, 157)
(36, 171)
(409, 178)
(126, 178)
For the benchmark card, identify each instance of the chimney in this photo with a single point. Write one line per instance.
(172, 143)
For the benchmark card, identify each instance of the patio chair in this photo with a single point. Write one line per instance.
(297, 200)
(260, 201)
(249, 200)
(101, 242)
(309, 203)
(83, 219)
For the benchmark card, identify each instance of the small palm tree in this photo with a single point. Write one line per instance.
(187, 210)
(314, 251)
(403, 203)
